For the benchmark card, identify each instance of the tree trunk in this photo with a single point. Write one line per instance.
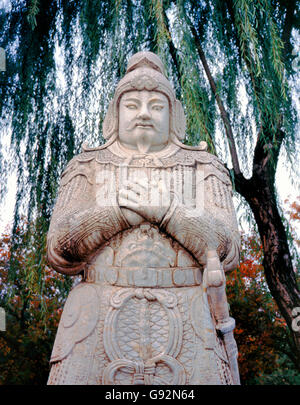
(259, 192)
(277, 262)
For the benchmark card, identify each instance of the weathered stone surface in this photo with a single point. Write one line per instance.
(150, 224)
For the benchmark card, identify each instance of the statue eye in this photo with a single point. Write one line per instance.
(157, 107)
(131, 106)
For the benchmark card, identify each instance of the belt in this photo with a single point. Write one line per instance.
(144, 276)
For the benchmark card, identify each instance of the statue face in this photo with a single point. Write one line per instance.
(144, 120)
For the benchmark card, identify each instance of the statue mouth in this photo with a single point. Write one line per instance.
(143, 125)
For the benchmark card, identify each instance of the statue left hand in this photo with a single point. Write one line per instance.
(151, 200)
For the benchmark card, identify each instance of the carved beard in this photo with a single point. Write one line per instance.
(144, 143)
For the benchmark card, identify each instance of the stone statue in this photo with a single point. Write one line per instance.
(149, 224)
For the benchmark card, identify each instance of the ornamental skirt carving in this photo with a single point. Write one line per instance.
(126, 335)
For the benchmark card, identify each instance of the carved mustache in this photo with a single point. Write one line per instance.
(141, 123)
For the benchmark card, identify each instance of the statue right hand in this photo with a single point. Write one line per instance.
(143, 198)
(132, 217)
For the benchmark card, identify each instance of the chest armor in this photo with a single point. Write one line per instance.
(144, 256)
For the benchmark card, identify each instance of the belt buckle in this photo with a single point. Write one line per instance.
(142, 277)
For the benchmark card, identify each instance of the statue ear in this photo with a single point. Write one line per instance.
(110, 121)
(179, 121)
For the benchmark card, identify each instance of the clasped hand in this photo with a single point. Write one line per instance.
(150, 200)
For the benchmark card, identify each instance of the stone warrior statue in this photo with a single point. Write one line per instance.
(150, 225)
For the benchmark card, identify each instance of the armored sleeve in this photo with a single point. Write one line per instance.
(213, 224)
(79, 224)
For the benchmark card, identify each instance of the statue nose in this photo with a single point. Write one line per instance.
(144, 113)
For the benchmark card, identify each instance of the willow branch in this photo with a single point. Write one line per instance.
(288, 26)
(266, 150)
(224, 114)
(172, 48)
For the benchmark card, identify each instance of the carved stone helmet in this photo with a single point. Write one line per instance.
(145, 71)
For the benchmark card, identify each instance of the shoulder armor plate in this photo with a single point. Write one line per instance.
(79, 166)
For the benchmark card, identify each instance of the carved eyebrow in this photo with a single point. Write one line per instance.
(135, 99)
(157, 99)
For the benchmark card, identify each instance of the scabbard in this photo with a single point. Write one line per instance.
(216, 290)
(232, 354)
